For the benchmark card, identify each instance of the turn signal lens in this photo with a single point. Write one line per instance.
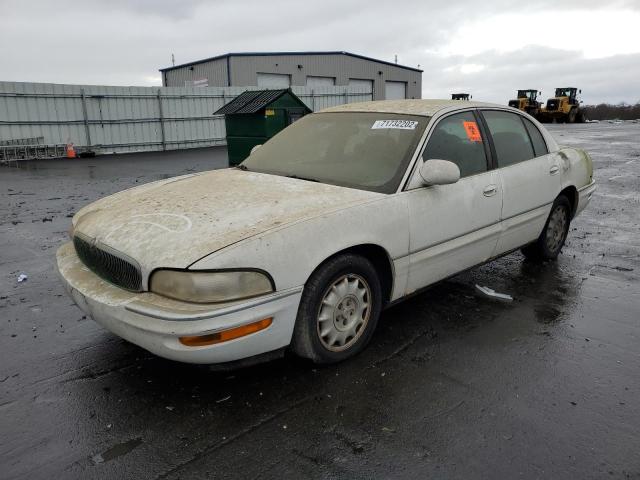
(225, 335)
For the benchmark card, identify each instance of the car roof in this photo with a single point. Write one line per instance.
(426, 108)
(429, 108)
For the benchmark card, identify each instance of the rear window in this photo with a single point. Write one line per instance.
(539, 145)
(510, 137)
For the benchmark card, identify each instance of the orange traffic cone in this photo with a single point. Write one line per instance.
(71, 153)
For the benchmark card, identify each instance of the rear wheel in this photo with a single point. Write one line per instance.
(339, 310)
(554, 233)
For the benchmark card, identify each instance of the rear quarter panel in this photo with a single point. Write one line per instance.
(577, 167)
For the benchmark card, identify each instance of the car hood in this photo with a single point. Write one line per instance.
(175, 222)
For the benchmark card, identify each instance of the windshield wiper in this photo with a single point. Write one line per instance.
(242, 167)
(302, 178)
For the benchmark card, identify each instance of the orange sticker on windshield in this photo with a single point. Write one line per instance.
(473, 133)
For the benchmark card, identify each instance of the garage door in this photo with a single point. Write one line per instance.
(395, 90)
(359, 82)
(274, 80)
(320, 81)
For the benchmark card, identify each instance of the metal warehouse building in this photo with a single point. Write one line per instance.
(284, 69)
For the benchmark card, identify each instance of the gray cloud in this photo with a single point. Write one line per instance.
(125, 42)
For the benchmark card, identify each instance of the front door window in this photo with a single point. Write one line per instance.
(458, 139)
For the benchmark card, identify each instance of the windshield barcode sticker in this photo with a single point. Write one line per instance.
(398, 124)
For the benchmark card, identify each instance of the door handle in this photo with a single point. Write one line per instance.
(489, 190)
(553, 170)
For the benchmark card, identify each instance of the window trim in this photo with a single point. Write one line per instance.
(490, 150)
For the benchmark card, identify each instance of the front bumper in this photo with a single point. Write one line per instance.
(155, 323)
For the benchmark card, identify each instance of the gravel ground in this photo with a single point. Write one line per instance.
(452, 386)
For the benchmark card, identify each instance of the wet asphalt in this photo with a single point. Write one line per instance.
(453, 385)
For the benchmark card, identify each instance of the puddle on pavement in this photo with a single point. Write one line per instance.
(116, 451)
(547, 313)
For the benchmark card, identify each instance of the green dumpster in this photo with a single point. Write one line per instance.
(253, 117)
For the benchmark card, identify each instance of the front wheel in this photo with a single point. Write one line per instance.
(339, 310)
(554, 233)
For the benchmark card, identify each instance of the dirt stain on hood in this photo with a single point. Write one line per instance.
(174, 223)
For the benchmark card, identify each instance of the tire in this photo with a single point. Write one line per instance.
(339, 310)
(572, 115)
(551, 240)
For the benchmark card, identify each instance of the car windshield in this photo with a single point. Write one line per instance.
(368, 151)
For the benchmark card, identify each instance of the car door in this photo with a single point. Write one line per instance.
(453, 227)
(529, 175)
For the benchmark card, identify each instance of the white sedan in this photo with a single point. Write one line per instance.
(338, 216)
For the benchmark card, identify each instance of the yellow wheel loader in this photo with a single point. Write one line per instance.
(563, 108)
(527, 101)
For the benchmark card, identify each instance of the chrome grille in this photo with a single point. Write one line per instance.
(107, 266)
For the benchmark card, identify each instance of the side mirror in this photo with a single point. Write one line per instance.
(255, 148)
(439, 172)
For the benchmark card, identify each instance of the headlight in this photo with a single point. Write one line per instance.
(210, 287)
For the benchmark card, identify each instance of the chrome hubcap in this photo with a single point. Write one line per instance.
(344, 312)
(556, 228)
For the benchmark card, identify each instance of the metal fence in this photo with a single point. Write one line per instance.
(107, 119)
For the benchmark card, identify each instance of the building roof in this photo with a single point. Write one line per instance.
(268, 54)
(410, 107)
(253, 101)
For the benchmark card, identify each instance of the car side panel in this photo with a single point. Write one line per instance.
(292, 253)
(453, 227)
(577, 167)
(577, 171)
(530, 188)
(527, 203)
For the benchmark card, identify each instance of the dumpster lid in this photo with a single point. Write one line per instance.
(253, 101)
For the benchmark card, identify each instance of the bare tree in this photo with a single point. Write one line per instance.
(605, 111)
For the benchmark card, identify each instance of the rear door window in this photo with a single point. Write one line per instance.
(458, 139)
(539, 145)
(510, 138)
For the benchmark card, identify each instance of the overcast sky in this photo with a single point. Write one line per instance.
(487, 49)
